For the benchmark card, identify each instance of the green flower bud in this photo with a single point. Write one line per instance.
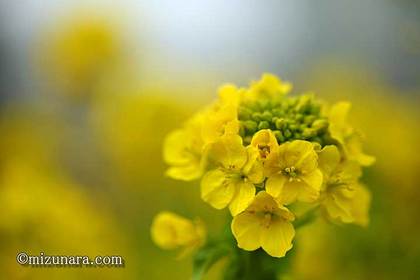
(293, 127)
(278, 112)
(256, 116)
(280, 123)
(263, 125)
(247, 140)
(279, 136)
(297, 135)
(250, 127)
(308, 133)
(309, 119)
(304, 103)
(263, 103)
(244, 113)
(266, 116)
(315, 109)
(241, 130)
(320, 124)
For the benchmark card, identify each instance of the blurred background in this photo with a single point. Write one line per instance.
(89, 89)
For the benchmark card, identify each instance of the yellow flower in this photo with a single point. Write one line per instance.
(171, 231)
(183, 150)
(269, 86)
(345, 135)
(265, 223)
(343, 197)
(293, 173)
(265, 141)
(233, 181)
(222, 117)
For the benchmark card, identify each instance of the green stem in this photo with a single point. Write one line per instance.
(306, 218)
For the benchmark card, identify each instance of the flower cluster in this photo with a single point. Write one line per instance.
(259, 151)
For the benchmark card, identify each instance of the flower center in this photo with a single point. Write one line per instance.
(264, 150)
(292, 173)
(266, 221)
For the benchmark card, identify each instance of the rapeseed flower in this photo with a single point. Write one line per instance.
(343, 197)
(293, 173)
(258, 149)
(233, 181)
(265, 223)
(349, 139)
(170, 231)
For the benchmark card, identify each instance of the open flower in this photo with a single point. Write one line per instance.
(265, 223)
(346, 136)
(183, 150)
(170, 231)
(293, 174)
(222, 117)
(233, 181)
(343, 198)
(265, 141)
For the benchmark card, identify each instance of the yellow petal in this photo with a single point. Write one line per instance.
(242, 198)
(276, 240)
(313, 180)
(175, 146)
(290, 192)
(220, 121)
(229, 95)
(265, 141)
(328, 159)
(361, 205)
(186, 173)
(307, 193)
(338, 113)
(353, 148)
(253, 170)
(216, 189)
(256, 174)
(229, 152)
(246, 229)
(274, 163)
(302, 155)
(336, 206)
(274, 185)
(347, 172)
(262, 202)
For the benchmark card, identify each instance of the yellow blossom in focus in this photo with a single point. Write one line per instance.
(171, 231)
(343, 197)
(265, 223)
(265, 141)
(345, 135)
(293, 173)
(233, 181)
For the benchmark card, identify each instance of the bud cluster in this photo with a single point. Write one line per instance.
(290, 118)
